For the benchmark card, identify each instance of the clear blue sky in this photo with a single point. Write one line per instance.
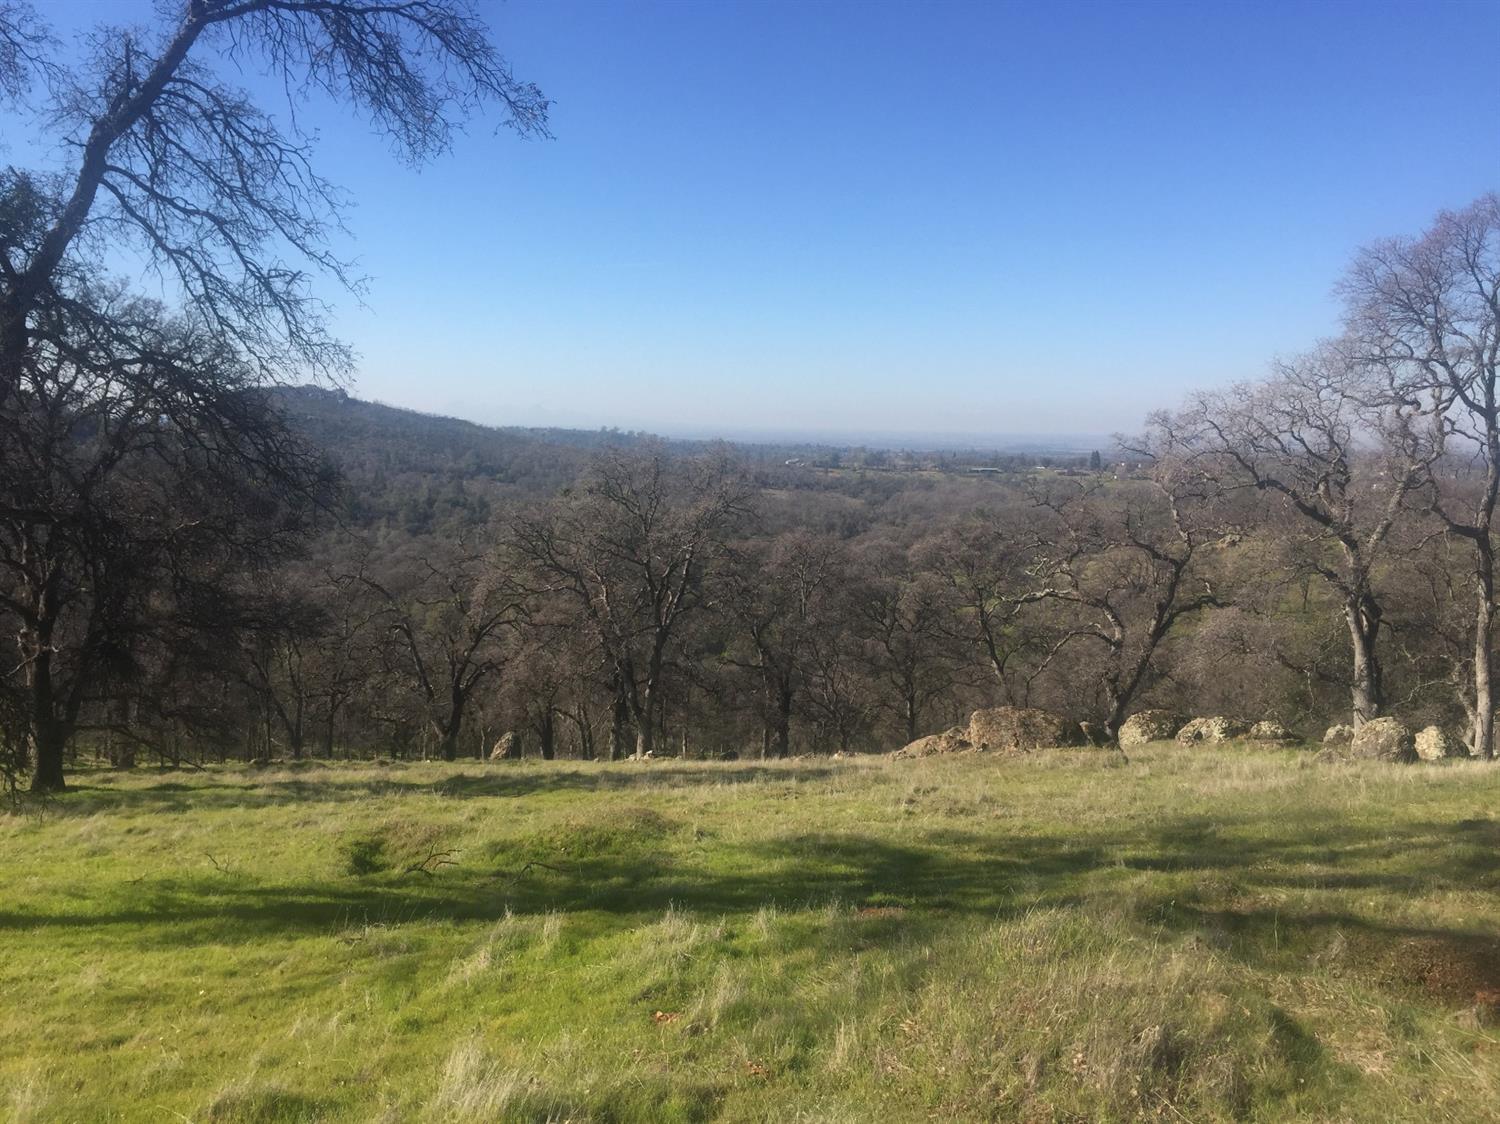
(937, 217)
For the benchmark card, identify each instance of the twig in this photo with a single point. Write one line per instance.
(429, 865)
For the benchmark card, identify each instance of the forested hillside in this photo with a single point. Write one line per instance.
(425, 472)
(565, 593)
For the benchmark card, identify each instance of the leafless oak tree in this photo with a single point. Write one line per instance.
(1339, 451)
(776, 592)
(631, 551)
(1428, 309)
(100, 391)
(175, 163)
(1126, 562)
(446, 626)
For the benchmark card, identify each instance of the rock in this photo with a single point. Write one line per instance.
(1434, 744)
(1211, 730)
(1338, 735)
(1269, 731)
(953, 740)
(1016, 729)
(1149, 726)
(507, 747)
(1384, 739)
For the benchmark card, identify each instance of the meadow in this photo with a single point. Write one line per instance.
(1197, 934)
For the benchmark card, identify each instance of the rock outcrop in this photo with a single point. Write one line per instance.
(1149, 726)
(1212, 731)
(1338, 735)
(1434, 744)
(1015, 729)
(1384, 739)
(1269, 731)
(953, 740)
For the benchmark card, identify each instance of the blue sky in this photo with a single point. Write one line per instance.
(927, 217)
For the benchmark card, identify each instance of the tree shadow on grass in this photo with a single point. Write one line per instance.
(1218, 878)
(1446, 963)
(245, 789)
(906, 885)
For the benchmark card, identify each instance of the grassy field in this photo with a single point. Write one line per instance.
(1202, 934)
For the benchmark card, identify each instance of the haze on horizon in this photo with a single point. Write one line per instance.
(847, 218)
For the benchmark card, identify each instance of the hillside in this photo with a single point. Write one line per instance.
(403, 462)
(423, 470)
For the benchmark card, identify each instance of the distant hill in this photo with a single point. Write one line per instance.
(406, 439)
(425, 472)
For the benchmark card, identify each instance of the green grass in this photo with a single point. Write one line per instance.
(1202, 934)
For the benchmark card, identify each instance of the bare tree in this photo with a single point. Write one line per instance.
(307, 649)
(25, 44)
(445, 626)
(1337, 449)
(985, 560)
(775, 595)
(173, 162)
(1428, 310)
(278, 659)
(1125, 563)
(142, 476)
(900, 613)
(100, 393)
(630, 551)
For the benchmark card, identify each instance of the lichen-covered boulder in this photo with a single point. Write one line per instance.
(1211, 730)
(1384, 739)
(1017, 729)
(953, 740)
(1433, 744)
(1269, 731)
(1149, 726)
(1338, 735)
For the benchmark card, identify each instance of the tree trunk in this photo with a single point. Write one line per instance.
(643, 715)
(449, 732)
(784, 720)
(47, 745)
(48, 736)
(546, 734)
(122, 756)
(619, 722)
(294, 735)
(1366, 688)
(448, 743)
(585, 726)
(1484, 707)
(1119, 704)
